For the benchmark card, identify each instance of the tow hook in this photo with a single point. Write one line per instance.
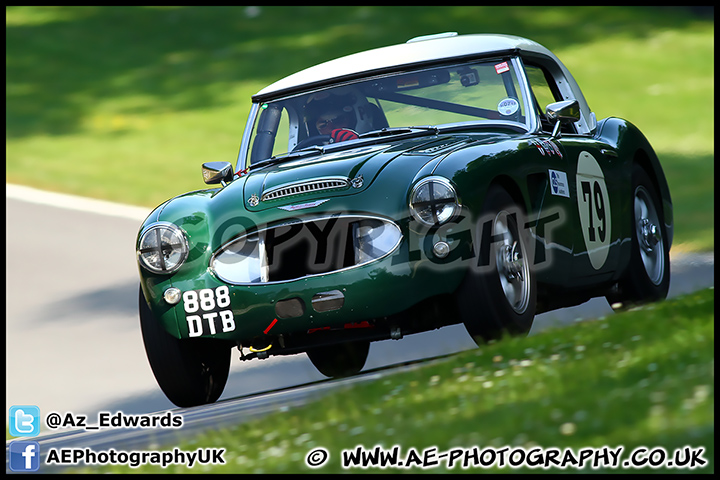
(260, 353)
(395, 333)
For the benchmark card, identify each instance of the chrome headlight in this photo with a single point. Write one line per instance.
(433, 201)
(163, 248)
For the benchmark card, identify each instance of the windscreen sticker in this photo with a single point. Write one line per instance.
(508, 106)
(502, 68)
(408, 82)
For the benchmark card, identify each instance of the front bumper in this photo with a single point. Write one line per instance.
(210, 307)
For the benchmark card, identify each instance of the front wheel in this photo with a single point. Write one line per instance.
(647, 278)
(340, 360)
(499, 295)
(190, 372)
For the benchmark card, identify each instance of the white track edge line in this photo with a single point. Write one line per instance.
(74, 202)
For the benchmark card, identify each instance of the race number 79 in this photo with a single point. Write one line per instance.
(594, 208)
(594, 197)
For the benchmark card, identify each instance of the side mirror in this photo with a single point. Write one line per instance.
(567, 111)
(217, 172)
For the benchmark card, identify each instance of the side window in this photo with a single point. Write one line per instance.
(545, 92)
(540, 87)
(282, 136)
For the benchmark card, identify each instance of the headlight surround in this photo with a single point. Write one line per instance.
(433, 201)
(242, 261)
(374, 238)
(163, 248)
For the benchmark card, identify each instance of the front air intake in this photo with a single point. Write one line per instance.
(305, 248)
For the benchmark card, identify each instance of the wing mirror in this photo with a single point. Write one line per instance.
(217, 172)
(567, 111)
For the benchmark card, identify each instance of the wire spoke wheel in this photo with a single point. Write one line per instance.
(499, 295)
(647, 229)
(512, 269)
(647, 275)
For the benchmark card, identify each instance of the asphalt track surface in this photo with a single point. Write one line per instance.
(73, 340)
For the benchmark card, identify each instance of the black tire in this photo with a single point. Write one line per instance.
(190, 372)
(499, 295)
(647, 278)
(340, 360)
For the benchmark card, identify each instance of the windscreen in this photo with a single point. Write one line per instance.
(475, 93)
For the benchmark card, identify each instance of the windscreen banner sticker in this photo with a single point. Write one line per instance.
(558, 183)
(502, 68)
(508, 106)
(208, 307)
(594, 209)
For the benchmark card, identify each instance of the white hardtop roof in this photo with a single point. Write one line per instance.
(421, 49)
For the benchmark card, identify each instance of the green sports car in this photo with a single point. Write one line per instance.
(449, 179)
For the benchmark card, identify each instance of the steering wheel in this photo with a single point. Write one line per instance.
(314, 140)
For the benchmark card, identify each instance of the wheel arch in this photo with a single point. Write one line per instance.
(633, 146)
(511, 186)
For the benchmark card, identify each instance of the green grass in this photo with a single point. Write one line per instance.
(640, 378)
(693, 196)
(125, 103)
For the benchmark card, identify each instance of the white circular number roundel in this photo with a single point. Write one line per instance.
(594, 208)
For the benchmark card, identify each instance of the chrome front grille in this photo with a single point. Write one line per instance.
(306, 186)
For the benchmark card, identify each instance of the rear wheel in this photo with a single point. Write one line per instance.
(190, 372)
(340, 360)
(647, 278)
(499, 295)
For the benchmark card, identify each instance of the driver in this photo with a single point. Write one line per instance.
(332, 115)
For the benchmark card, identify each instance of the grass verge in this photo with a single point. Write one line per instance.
(639, 378)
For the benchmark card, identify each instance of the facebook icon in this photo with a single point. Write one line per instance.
(24, 456)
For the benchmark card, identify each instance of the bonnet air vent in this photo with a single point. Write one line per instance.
(308, 186)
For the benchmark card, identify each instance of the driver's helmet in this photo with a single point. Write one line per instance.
(338, 108)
